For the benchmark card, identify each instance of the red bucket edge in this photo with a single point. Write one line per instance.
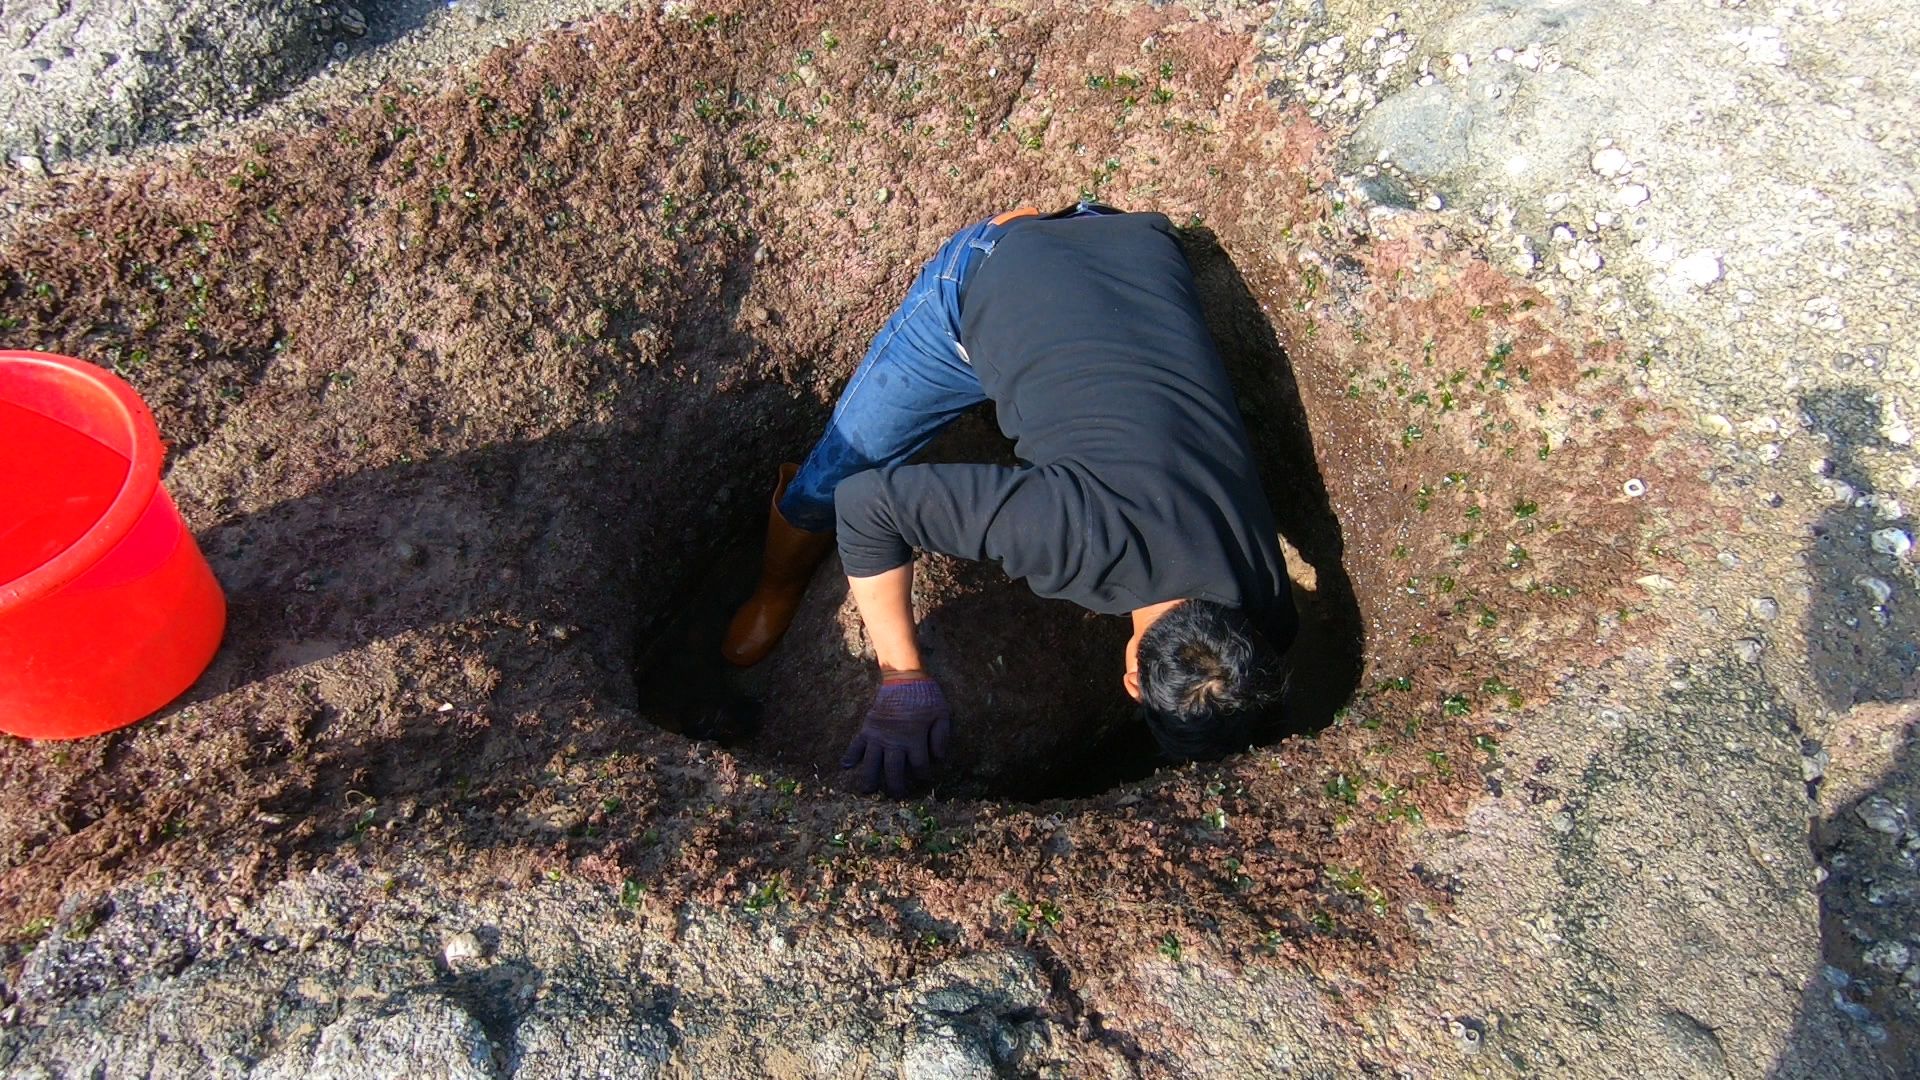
(129, 503)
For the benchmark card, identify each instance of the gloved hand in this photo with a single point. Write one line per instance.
(905, 732)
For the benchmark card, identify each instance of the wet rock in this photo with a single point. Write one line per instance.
(970, 1018)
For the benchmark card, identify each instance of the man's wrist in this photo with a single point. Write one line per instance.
(901, 658)
(896, 675)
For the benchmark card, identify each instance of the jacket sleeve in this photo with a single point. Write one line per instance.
(1024, 518)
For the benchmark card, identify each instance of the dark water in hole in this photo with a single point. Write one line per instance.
(682, 680)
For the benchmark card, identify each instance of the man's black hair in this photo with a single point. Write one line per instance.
(1210, 684)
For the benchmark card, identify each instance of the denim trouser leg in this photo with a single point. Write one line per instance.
(914, 381)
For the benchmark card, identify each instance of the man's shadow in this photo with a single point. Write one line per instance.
(1862, 634)
(1857, 1016)
(1863, 627)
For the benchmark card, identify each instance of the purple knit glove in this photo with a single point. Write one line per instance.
(904, 734)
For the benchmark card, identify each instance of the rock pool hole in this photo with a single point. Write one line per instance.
(1035, 684)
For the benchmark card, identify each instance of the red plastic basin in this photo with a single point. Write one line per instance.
(107, 608)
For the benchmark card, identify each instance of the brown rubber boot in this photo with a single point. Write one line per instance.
(792, 554)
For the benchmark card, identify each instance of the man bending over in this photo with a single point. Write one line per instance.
(1137, 493)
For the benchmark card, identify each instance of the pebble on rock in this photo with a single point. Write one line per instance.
(1717, 425)
(1700, 269)
(1881, 816)
(463, 946)
(1611, 161)
(1879, 590)
(1894, 542)
(1888, 956)
(1838, 492)
(1897, 432)
(1631, 195)
(1764, 608)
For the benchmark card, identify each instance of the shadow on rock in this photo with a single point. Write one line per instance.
(1863, 626)
(1861, 1012)
(1328, 658)
(562, 540)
